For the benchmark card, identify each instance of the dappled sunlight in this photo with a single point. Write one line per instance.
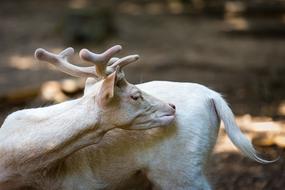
(259, 124)
(233, 7)
(224, 144)
(238, 23)
(28, 62)
(51, 91)
(153, 8)
(23, 62)
(59, 91)
(262, 131)
(130, 8)
(78, 4)
(175, 7)
(281, 108)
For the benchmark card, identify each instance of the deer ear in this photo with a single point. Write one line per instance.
(107, 90)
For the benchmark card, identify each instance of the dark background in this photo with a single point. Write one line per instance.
(234, 47)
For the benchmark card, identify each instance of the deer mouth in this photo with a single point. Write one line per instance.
(159, 121)
(166, 119)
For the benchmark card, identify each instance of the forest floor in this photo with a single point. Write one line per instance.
(248, 70)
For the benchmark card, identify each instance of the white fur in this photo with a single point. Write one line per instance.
(170, 158)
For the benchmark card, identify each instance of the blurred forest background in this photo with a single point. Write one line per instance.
(234, 47)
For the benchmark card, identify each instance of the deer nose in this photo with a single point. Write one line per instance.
(172, 105)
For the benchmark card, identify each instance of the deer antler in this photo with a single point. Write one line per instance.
(100, 60)
(105, 63)
(60, 61)
(104, 68)
(124, 61)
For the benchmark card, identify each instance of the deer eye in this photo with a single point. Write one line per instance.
(136, 97)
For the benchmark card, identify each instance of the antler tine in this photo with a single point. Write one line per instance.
(67, 52)
(100, 60)
(112, 60)
(125, 61)
(61, 62)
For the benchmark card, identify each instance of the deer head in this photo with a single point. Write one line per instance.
(118, 103)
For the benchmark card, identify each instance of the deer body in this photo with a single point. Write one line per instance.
(168, 158)
(62, 146)
(34, 141)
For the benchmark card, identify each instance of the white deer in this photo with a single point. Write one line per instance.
(34, 140)
(58, 147)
